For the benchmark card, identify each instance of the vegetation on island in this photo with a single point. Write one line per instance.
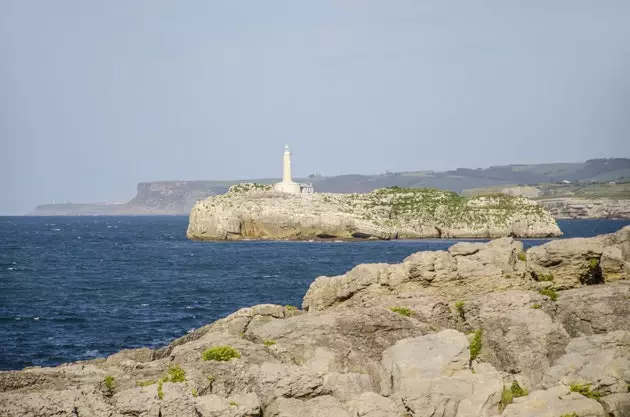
(109, 385)
(585, 390)
(395, 206)
(459, 306)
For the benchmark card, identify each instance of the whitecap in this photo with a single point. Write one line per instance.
(191, 330)
(144, 305)
(11, 269)
(189, 307)
(91, 353)
(18, 318)
(35, 318)
(56, 230)
(266, 276)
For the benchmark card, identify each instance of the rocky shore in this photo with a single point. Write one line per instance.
(250, 211)
(478, 330)
(584, 208)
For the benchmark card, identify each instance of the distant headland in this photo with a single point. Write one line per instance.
(596, 188)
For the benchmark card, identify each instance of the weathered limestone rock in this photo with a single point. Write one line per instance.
(554, 402)
(595, 309)
(600, 361)
(252, 213)
(616, 405)
(429, 375)
(370, 404)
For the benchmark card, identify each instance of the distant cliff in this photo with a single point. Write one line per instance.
(178, 197)
(391, 213)
(157, 198)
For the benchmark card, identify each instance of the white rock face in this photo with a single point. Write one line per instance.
(255, 212)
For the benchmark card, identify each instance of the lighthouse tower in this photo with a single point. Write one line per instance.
(287, 185)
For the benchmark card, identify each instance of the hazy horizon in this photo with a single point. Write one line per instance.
(100, 96)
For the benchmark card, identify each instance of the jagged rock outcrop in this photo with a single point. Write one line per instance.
(249, 212)
(477, 330)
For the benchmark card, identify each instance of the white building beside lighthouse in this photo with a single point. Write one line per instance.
(287, 185)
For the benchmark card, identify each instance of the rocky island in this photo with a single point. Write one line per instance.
(252, 211)
(482, 329)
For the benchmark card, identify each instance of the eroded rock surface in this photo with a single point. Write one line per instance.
(443, 333)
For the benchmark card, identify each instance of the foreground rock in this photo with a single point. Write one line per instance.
(478, 330)
(256, 212)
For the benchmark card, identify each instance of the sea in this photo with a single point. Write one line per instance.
(74, 288)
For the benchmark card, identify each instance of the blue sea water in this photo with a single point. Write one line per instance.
(82, 287)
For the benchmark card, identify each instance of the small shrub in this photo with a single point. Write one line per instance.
(176, 374)
(160, 392)
(109, 384)
(546, 277)
(507, 276)
(146, 383)
(549, 292)
(195, 393)
(506, 399)
(570, 415)
(522, 256)
(585, 390)
(536, 306)
(210, 378)
(517, 391)
(233, 404)
(593, 263)
(475, 345)
(401, 310)
(459, 306)
(291, 308)
(220, 353)
(269, 343)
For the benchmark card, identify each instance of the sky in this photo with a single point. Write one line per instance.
(96, 96)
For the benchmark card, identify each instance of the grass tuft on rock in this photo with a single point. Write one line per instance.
(475, 345)
(220, 353)
(517, 390)
(291, 308)
(506, 399)
(160, 390)
(176, 374)
(546, 277)
(269, 342)
(195, 393)
(522, 256)
(233, 404)
(585, 390)
(109, 384)
(536, 306)
(570, 415)
(549, 292)
(401, 310)
(459, 306)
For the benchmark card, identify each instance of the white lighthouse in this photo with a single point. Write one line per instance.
(287, 185)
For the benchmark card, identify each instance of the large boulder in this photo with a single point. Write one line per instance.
(599, 362)
(430, 375)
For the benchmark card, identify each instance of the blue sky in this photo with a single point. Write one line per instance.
(97, 96)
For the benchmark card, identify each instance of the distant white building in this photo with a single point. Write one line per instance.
(287, 185)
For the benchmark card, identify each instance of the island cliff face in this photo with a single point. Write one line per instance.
(250, 211)
(482, 329)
